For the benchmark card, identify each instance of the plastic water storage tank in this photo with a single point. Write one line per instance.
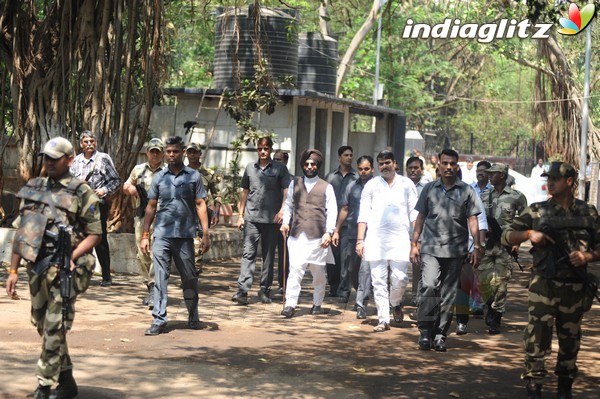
(236, 53)
(317, 62)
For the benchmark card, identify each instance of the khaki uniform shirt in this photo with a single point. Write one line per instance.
(142, 174)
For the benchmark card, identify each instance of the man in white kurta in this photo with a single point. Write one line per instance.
(387, 210)
(311, 201)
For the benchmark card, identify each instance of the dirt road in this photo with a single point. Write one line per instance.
(252, 352)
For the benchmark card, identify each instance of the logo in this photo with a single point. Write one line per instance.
(578, 20)
(484, 33)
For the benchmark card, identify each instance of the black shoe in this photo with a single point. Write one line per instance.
(195, 325)
(106, 283)
(288, 312)
(355, 307)
(439, 345)
(316, 310)
(42, 392)
(534, 390)
(343, 299)
(461, 329)
(156, 329)
(264, 296)
(398, 314)
(67, 387)
(361, 313)
(332, 294)
(424, 340)
(564, 388)
(413, 301)
(151, 302)
(240, 297)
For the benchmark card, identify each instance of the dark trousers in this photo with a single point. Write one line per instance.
(439, 284)
(350, 263)
(267, 233)
(334, 269)
(102, 249)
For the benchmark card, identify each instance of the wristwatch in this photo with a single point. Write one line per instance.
(478, 247)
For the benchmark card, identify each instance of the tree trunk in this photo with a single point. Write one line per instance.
(358, 38)
(67, 76)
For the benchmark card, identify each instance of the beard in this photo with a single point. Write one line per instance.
(311, 173)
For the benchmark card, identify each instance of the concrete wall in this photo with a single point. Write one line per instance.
(226, 243)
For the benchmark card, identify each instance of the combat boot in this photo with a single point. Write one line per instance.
(150, 298)
(495, 323)
(489, 314)
(564, 388)
(67, 387)
(534, 390)
(42, 392)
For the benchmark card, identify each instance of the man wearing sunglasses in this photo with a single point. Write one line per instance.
(264, 186)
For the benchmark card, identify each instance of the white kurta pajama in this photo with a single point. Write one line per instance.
(305, 252)
(388, 211)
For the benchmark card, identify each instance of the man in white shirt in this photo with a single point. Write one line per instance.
(469, 174)
(387, 210)
(312, 202)
(537, 170)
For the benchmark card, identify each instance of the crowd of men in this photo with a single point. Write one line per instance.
(351, 229)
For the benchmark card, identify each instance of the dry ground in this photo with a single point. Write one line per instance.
(252, 352)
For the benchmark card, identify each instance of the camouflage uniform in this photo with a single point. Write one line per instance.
(210, 180)
(495, 269)
(76, 205)
(142, 175)
(556, 292)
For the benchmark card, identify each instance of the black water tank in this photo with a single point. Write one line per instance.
(317, 62)
(235, 49)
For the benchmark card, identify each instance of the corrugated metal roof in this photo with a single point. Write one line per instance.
(356, 107)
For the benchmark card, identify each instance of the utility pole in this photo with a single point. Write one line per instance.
(584, 114)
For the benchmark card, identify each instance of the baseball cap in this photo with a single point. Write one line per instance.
(560, 169)
(155, 144)
(57, 148)
(194, 146)
(498, 167)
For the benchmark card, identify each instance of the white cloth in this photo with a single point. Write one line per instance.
(388, 211)
(481, 220)
(305, 250)
(385, 297)
(469, 176)
(294, 283)
(537, 171)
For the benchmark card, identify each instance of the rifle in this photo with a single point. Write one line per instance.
(515, 256)
(560, 245)
(143, 194)
(65, 275)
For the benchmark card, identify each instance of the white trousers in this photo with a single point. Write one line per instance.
(294, 282)
(398, 280)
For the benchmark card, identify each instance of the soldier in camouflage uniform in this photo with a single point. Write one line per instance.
(46, 204)
(565, 234)
(502, 204)
(211, 181)
(137, 186)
